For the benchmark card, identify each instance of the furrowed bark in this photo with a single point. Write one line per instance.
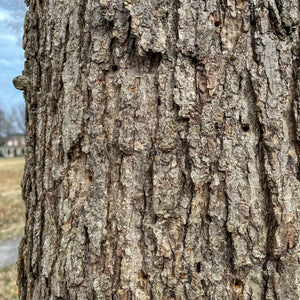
(164, 150)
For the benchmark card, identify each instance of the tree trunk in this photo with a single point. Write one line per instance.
(163, 156)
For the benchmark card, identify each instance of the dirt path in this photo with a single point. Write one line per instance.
(9, 252)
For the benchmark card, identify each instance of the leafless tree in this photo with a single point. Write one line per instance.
(18, 117)
(6, 126)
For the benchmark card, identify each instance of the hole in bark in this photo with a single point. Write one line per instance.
(155, 59)
(172, 295)
(198, 267)
(287, 29)
(145, 276)
(115, 68)
(90, 178)
(238, 284)
(208, 217)
(217, 23)
(194, 59)
(164, 15)
(158, 102)
(54, 107)
(245, 127)
(110, 25)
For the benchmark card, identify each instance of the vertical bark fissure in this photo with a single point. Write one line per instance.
(102, 247)
(117, 272)
(86, 255)
(176, 6)
(199, 76)
(252, 34)
(229, 239)
(81, 25)
(147, 213)
(295, 113)
(270, 219)
(206, 217)
(189, 186)
(116, 163)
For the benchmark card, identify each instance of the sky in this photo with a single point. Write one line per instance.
(12, 13)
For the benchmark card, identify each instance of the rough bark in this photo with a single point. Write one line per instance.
(163, 156)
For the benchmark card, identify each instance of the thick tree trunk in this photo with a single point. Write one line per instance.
(163, 153)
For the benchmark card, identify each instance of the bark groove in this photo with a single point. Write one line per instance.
(164, 150)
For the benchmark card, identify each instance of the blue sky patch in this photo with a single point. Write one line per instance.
(12, 15)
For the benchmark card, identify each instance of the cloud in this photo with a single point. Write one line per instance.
(4, 14)
(7, 37)
(4, 62)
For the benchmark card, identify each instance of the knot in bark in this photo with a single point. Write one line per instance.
(21, 83)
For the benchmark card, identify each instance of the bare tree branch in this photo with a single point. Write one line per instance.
(18, 117)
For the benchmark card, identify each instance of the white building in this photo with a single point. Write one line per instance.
(14, 146)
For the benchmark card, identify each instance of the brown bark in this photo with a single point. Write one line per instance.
(163, 153)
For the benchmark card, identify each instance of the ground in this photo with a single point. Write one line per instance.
(8, 287)
(12, 217)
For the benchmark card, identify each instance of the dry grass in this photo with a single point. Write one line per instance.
(12, 210)
(12, 217)
(8, 286)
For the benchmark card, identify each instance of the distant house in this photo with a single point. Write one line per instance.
(13, 146)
